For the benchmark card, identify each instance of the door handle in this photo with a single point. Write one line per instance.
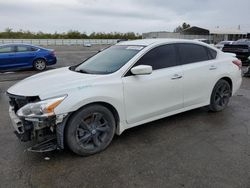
(213, 67)
(176, 76)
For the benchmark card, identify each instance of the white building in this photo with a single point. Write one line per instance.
(215, 35)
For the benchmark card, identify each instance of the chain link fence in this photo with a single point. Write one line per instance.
(60, 42)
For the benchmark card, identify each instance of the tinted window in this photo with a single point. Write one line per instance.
(6, 49)
(191, 53)
(212, 53)
(159, 57)
(23, 49)
(242, 42)
(33, 49)
(224, 42)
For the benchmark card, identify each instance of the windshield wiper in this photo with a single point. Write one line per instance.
(92, 72)
(83, 71)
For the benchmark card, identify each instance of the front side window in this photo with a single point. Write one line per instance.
(109, 60)
(6, 49)
(192, 53)
(33, 49)
(160, 57)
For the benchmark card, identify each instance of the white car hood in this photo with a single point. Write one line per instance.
(50, 83)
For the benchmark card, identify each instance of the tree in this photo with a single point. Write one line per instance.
(71, 34)
(8, 30)
(182, 27)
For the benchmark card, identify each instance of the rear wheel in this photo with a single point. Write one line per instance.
(220, 96)
(39, 64)
(90, 130)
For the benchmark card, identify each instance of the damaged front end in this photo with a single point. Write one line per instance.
(34, 120)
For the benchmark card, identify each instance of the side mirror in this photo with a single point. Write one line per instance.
(249, 58)
(142, 70)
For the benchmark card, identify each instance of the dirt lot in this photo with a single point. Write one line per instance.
(192, 149)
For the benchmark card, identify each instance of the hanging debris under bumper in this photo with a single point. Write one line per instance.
(46, 132)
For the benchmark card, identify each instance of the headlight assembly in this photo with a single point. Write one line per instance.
(43, 108)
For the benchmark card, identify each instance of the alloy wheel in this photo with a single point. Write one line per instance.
(92, 131)
(222, 95)
(40, 64)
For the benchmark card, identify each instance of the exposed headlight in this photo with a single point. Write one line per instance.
(40, 109)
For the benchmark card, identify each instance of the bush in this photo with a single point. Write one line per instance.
(72, 34)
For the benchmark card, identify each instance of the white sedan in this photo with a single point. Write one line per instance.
(123, 86)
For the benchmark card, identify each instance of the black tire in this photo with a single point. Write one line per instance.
(220, 96)
(90, 130)
(39, 64)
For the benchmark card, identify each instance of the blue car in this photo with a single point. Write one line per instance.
(19, 56)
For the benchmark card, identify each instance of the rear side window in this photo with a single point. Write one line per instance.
(212, 53)
(23, 49)
(191, 53)
(160, 57)
(6, 49)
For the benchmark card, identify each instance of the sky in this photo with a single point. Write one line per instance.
(122, 15)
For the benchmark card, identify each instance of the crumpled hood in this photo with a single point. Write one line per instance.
(51, 83)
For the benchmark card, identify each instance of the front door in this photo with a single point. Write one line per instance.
(7, 57)
(24, 55)
(148, 96)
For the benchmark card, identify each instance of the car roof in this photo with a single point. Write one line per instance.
(19, 44)
(148, 42)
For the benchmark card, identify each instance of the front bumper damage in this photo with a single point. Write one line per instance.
(47, 133)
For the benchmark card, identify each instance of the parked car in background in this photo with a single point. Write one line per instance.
(87, 44)
(20, 56)
(123, 86)
(121, 40)
(221, 44)
(205, 41)
(247, 73)
(241, 48)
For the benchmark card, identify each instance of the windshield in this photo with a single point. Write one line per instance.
(109, 60)
(224, 42)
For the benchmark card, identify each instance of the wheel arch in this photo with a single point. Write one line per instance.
(212, 105)
(229, 80)
(105, 104)
(108, 106)
(36, 58)
(226, 78)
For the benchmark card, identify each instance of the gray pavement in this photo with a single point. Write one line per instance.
(192, 149)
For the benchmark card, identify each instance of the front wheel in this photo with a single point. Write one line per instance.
(90, 130)
(220, 96)
(39, 64)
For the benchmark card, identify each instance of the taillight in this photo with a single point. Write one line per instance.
(238, 63)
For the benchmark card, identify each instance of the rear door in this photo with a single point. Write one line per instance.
(199, 73)
(148, 96)
(7, 57)
(24, 55)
